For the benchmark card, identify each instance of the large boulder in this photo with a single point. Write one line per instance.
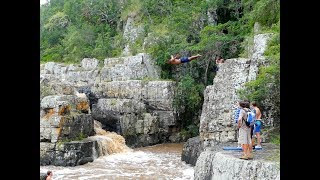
(191, 150)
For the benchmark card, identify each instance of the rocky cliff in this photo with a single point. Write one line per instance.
(217, 127)
(64, 122)
(220, 99)
(124, 94)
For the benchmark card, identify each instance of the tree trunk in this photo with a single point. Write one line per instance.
(206, 72)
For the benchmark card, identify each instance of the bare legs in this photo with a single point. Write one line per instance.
(194, 57)
(258, 139)
(246, 151)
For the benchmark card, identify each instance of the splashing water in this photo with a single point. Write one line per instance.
(109, 142)
(161, 161)
(116, 161)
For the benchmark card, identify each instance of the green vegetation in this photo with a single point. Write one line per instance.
(80, 136)
(189, 100)
(274, 135)
(275, 139)
(71, 30)
(189, 132)
(274, 156)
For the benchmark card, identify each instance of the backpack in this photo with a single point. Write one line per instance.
(251, 117)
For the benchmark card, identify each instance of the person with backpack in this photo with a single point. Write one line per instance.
(257, 125)
(251, 118)
(244, 132)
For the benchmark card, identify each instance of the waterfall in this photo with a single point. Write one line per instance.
(108, 142)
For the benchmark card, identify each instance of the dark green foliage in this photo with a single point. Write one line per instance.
(188, 99)
(223, 39)
(71, 30)
(266, 12)
(157, 7)
(190, 131)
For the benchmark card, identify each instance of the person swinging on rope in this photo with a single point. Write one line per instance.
(177, 59)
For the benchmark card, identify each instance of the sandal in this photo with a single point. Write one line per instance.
(244, 157)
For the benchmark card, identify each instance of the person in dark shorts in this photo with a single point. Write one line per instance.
(177, 59)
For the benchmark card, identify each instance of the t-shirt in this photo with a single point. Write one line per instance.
(243, 115)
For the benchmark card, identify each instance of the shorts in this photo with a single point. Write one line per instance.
(184, 59)
(244, 136)
(257, 126)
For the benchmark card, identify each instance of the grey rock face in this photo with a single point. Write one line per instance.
(216, 122)
(220, 99)
(159, 95)
(119, 89)
(203, 168)
(212, 16)
(191, 150)
(131, 33)
(166, 119)
(64, 119)
(257, 58)
(89, 72)
(141, 111)
(124, 94)
(71, 74)
(216, 165)
(108, 111)
(68, 154)
(129, 68)
(256, 28)
(89, 64)
(260, 45)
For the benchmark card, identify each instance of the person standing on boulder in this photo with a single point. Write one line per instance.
(257, 125)
(244, 133)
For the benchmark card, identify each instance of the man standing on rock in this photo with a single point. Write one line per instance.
(257, 125)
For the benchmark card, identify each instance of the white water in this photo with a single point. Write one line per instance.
(153, 162)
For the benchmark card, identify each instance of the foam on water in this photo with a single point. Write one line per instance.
(156, 162)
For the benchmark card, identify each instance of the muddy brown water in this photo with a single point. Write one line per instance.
(162, 161)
